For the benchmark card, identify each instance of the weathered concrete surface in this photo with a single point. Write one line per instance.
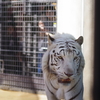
(12, 95)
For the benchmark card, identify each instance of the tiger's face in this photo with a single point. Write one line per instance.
(62, 66)
(65, 61)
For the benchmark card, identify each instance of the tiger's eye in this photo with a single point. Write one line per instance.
(75, 58)
(60, 57)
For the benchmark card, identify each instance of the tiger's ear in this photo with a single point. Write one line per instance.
(80, 40)
(51, 37)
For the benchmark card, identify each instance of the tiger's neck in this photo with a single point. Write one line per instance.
(71, 91)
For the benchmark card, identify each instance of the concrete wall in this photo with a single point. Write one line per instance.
(88, 48)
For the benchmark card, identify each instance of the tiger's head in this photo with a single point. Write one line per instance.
(64, 57)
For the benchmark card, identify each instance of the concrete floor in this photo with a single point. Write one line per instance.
(15, 95)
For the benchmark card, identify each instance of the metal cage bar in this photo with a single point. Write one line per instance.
(23, 41)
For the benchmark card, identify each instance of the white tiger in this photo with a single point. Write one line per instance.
(62, 66)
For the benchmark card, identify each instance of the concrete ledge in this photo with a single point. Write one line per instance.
(15, 95)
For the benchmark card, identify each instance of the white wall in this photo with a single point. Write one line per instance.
(77, 18)
(70, 17)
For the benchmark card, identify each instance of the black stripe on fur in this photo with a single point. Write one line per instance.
(74, 85)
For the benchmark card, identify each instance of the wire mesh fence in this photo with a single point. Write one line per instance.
(24, 25)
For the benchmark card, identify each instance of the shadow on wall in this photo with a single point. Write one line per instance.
(96, 88)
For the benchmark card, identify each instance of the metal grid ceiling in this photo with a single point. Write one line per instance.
(23, 40)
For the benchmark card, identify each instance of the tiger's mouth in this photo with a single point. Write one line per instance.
(64, 80)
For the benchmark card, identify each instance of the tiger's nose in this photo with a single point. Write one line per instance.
(68, 74)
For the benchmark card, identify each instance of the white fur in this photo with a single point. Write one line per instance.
(54, 89)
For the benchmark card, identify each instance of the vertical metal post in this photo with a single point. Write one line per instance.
(23, 34)
(28, 35)
(24, 4)
(34, 41)
(28, 29)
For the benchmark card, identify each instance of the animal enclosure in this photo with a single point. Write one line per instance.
(20, 53)
(23, 24)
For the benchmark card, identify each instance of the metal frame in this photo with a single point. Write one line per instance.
(24, 75)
